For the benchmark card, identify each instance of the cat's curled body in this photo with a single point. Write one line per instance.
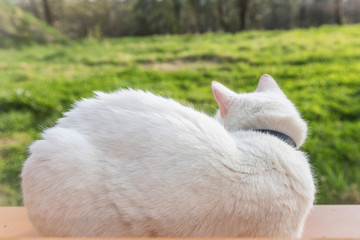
(133, 164)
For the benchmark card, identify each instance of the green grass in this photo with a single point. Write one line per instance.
(19, 28)
(318, 69)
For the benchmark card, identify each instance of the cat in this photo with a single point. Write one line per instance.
(133, 164)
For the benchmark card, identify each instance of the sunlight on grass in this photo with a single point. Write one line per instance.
(317, 68)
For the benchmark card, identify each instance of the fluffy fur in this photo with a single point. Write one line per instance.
(133, 164)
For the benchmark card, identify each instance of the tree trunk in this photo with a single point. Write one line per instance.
(243, 6)
(177, 10)
(339, 12)
(143, 10)
(274, 23)
(47, 12)
(196, 4)
(34, 9)
(220, 11)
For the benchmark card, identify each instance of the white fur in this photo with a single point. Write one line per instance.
(133, 164)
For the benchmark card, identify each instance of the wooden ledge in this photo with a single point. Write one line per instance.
(325, 221)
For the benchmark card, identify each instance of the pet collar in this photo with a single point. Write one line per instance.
(279, 135)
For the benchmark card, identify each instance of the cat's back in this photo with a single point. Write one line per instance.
(106, 108)
(129, 119)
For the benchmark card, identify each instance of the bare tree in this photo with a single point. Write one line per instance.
(243, 8)
(198, 11)
(143, 11)
(177, 11)
(339, 11)
(226, 14)
(220, 12)
(47, 12)
(34, 8)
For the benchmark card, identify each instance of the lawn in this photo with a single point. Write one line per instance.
(318, 69)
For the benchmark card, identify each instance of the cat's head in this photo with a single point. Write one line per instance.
(265, 108)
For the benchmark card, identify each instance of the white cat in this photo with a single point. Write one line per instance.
(133, 164)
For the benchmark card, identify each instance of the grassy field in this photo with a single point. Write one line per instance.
(318, 69)
(21, 28)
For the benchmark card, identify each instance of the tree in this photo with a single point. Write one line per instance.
(114, 18)
(243, 8)
(143, 9)
(177, 11)
(198, 12)
(339, 11)
(47, 12)
(220, 12)
(34, 8)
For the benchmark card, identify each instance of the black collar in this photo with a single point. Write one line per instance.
(279, 135)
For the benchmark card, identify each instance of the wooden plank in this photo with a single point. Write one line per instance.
(325, 221)
(15, 223)
(333, 221)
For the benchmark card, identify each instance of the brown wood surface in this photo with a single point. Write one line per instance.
(15, 223)
(333, 221)
(325, 221)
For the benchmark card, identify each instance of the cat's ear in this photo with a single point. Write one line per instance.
(267, 84)
(224, 97)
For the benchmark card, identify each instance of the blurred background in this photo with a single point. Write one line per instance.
(116, 18)
(55, 52)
